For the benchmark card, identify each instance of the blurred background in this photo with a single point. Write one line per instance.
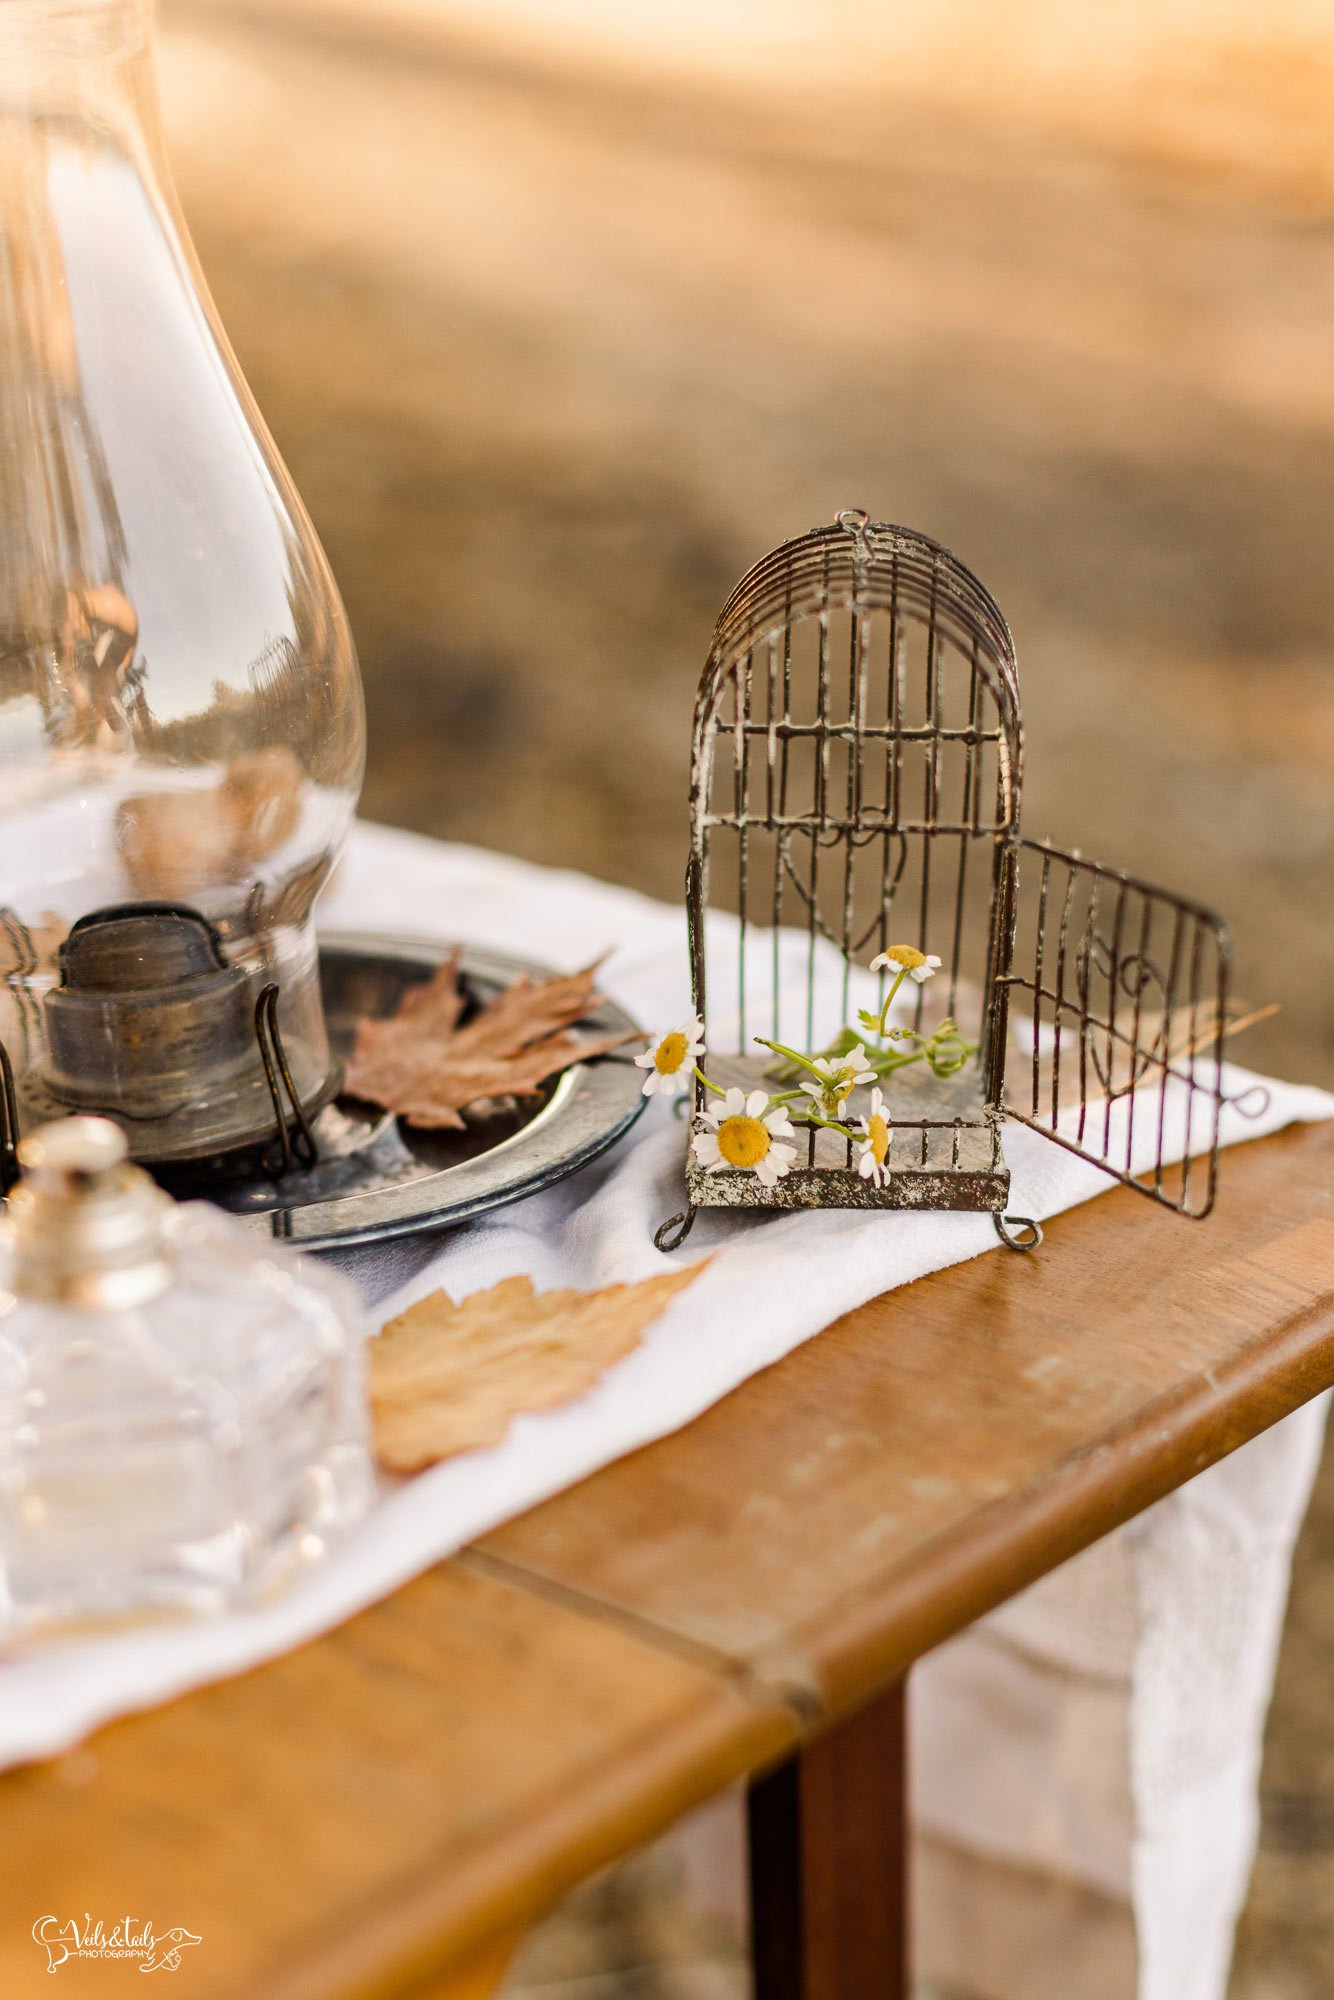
(563, 311)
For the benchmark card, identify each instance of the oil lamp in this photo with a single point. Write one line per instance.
(181, 722)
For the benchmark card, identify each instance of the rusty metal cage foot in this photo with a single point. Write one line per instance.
(1018, 1232)
(675, 1230)
(295, 1145)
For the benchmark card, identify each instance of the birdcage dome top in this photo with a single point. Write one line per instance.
(858, 564)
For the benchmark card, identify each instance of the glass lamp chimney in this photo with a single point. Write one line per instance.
(181, 722)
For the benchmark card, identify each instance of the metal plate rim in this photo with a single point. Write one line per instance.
(614, 1086)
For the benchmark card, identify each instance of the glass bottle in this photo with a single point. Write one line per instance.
(181, 721)
(182, 1407)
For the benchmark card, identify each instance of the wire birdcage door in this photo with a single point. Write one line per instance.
(1107, 1034)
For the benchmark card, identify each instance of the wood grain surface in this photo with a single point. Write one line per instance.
(941, 1447)
(350, 1818)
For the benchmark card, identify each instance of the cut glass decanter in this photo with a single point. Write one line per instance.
(182, 1408)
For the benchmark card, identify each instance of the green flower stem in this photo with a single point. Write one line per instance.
(886, 1061)
(889, 1002)
(715, 1088)
(944, 1049)
(812, 1118)
(793, 1055)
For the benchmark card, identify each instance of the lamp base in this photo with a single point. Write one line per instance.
(188, 1051)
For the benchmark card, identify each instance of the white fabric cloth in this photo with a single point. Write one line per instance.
(1106, 1726)
(774, 1281)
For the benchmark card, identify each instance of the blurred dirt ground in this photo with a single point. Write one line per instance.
(556, 341)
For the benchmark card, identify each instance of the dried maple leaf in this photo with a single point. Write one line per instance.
(420, 1063)
(447, 1378)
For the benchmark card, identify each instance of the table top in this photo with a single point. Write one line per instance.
(367, 1812)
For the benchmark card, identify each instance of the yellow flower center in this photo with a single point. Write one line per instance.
(669, 1054)
(906, 955)
(877, 1133)
(743, 1142)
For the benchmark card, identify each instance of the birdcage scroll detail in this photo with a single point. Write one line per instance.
(856, 772)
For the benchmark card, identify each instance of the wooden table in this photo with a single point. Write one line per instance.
(380, 1813)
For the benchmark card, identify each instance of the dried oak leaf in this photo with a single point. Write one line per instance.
(421, 1064)
(446, 1378)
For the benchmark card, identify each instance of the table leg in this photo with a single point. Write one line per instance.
(828, 1863)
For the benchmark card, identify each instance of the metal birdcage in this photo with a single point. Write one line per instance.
(856, 775)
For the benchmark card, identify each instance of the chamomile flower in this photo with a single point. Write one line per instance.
(876, 1134)
(901, 958)
(745, 1134)
(838, 1077)
(671, 1061)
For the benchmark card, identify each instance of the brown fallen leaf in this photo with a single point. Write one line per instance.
(421, 1064)
(446, 1378)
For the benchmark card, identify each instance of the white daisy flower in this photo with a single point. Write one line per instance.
(839, 1077)
(744, 1133)
(901, 958)
(877, 1133)
(671, 1061)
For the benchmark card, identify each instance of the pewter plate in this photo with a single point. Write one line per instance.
(376, 1177)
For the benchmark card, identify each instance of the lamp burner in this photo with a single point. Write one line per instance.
(153, 1025)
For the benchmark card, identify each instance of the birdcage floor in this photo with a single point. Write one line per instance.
(945, 1152)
